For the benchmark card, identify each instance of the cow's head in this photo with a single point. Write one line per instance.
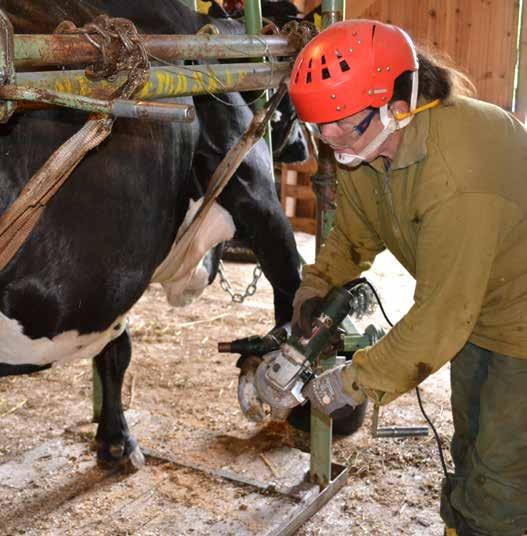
(290, 143)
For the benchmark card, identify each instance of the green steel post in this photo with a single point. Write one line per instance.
(321, 448)
(252, 11)
(332, 11)
(253, 24)
(324, 183)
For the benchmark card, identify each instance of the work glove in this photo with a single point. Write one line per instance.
(306, 307)
(326, 392)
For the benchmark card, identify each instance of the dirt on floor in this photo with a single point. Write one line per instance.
(181, 399)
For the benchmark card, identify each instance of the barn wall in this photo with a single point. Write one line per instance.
(479, 35)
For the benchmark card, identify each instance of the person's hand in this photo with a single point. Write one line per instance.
(326, 392)
(306, 307)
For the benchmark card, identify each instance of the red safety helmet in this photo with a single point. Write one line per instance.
(350, 66)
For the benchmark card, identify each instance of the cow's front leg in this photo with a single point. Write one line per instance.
(115, 445)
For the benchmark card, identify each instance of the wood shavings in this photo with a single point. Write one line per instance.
(13, 409)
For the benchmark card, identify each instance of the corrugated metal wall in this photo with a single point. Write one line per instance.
(479, 35)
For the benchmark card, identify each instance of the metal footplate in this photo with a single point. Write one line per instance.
(310, 497)
(312, 502)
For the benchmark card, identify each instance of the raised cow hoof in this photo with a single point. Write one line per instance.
(126, 456)
(347, 421)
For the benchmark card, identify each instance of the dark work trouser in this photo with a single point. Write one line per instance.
(488, 494)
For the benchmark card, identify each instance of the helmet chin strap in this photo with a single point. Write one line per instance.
(390, 122)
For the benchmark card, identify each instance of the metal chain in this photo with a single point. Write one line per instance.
(249, 291)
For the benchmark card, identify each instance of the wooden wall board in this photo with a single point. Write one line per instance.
(479, 36)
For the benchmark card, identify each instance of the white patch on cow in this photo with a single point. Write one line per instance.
(182, 273)
(18, 349)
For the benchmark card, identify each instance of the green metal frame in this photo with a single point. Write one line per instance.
(42, 51)
(160, 111)
(253, 25)
(322, 425)
(166, 82)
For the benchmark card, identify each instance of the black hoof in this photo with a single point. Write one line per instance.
(125, 456)
(346, 421)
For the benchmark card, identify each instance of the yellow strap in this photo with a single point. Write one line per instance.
(203, 7)
(451, 532)
(399, 116)
(317, 19)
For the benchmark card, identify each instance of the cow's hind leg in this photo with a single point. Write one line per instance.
(115, 445)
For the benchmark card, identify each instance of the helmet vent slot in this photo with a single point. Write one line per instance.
(308, 78)
(338, 53)
(325, 73)
(323, 60)
(310, 63)
(344, 66)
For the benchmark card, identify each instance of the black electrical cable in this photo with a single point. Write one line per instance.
(417, 392)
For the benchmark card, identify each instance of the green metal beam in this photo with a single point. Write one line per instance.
(167, 82)
(159, 111)
(43, 51)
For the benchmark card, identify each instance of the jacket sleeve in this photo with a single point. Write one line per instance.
(456, 246)
(351, 246)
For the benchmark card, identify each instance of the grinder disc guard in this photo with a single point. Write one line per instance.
(272, 394)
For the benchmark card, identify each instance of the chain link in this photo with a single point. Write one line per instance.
(237, 297)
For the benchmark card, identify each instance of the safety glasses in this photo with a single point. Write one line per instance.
(347, 133)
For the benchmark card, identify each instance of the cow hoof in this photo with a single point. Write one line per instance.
(136, 460)
(345, 423)
(125, 456)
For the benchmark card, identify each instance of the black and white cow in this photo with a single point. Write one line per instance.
(66, 293)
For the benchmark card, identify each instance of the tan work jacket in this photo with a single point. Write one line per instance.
(453, 211)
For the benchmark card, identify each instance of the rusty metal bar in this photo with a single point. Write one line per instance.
(167, 82)
(42, 51)
(158, 111)
(7, 69)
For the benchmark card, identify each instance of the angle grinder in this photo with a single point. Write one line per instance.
(283, 373)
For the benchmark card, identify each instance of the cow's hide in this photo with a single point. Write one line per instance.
(114, 222)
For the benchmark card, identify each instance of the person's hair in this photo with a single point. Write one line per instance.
(439, 78)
